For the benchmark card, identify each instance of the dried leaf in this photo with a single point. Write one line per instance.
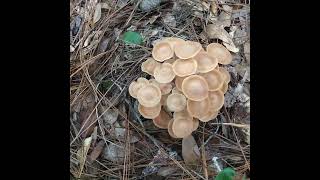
(96, 151)
(114, 153)
(110, 116)
(190, 150)
(82, 154)
(97, 13)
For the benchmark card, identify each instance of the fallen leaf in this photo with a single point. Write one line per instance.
(131, 37)
(82, 154)
(190, 150)
(97, 151)
(110, 116)
(97, 13)
(114, 153)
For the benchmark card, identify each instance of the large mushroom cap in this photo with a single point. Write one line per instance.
(182, 128)
(187, 49)
(134, 87)
(218, 51)
(149, 95)
(198, 109)
(195, 88)
(216, 100)
(214, 79)
(205, 62)
(149, 65)
(162, 51)
(225, 74)
(149, 112)
(178, 82)
(176, 102)
(209, 116)
(165, 88)
(162, 120)
(170, 131)
(184, 67)
(164, 73)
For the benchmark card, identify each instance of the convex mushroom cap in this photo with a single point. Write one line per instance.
(216, 100)
(149, 65)
(165, 88)
(134, 87)
(149, 95)
(195, 88)
(214, 79)
(176, 102)
(198, 109)
(149, 112)
(162, 120)
(164, 73)
(184, 67)
(187, 49)
(182, 128)
(218, 51)
(205, 62)
(162, 51)
(209, 116)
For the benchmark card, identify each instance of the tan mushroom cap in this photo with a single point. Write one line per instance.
(225, 74)
(198, 109)
(214, 79)
(182, 128)
(195, 123)
(216, 100)
(173, 41)
(149, 65)
(162, 120)
(218, 51)
(162, 51)
(176, 102)
(142, 80)
(205, 62)
(209, 116)
(178, 82)
(187, 49)
(149, 95)
(165, 88)
(184, 67)
(170, 131)
(195, 88)
(134, 87)
(164, 73)
(224, 87)
(149, 112)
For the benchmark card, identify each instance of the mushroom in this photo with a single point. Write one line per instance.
(142, 80)
(149, 95)
(225, 74)
(218, 51)
(162, 120)
(165, 88)
(198, 109)
(184, 67)
(176, 102)
(149, 112)
(205, 62)
(209, 116)
(162, 51)
(164, 73)
(224, 87)
(195, 88)
(178, 82)
(190, 150)
(170, 131)
(216, 100)
(214, 79)
(149, 65)
(182, 127)
(187, 49)
(134, 87)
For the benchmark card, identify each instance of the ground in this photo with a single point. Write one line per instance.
(108, 138)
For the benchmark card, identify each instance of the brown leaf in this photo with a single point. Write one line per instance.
(96, 151)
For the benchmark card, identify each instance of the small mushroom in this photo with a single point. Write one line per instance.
(170, 131)
(205, 62)
(184, 67)
(162, 120)
(162, 51)
(225, 74)
(134, 87)
(149, 95)
(176, 102)
(165, 88)
(195, 88)
(198, 109)
(164, 73)
(209, 116)
(190, 150)
(178, 82)
(218, 51)
(149, 112)
(187, 49)
(142, 80)
(216, 100)
(214, 79)
(182, 127)
(149, 65)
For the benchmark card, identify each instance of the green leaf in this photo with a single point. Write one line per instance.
(226, 174)
(131, 37)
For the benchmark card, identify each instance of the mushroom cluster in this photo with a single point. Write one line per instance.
(187, 85)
